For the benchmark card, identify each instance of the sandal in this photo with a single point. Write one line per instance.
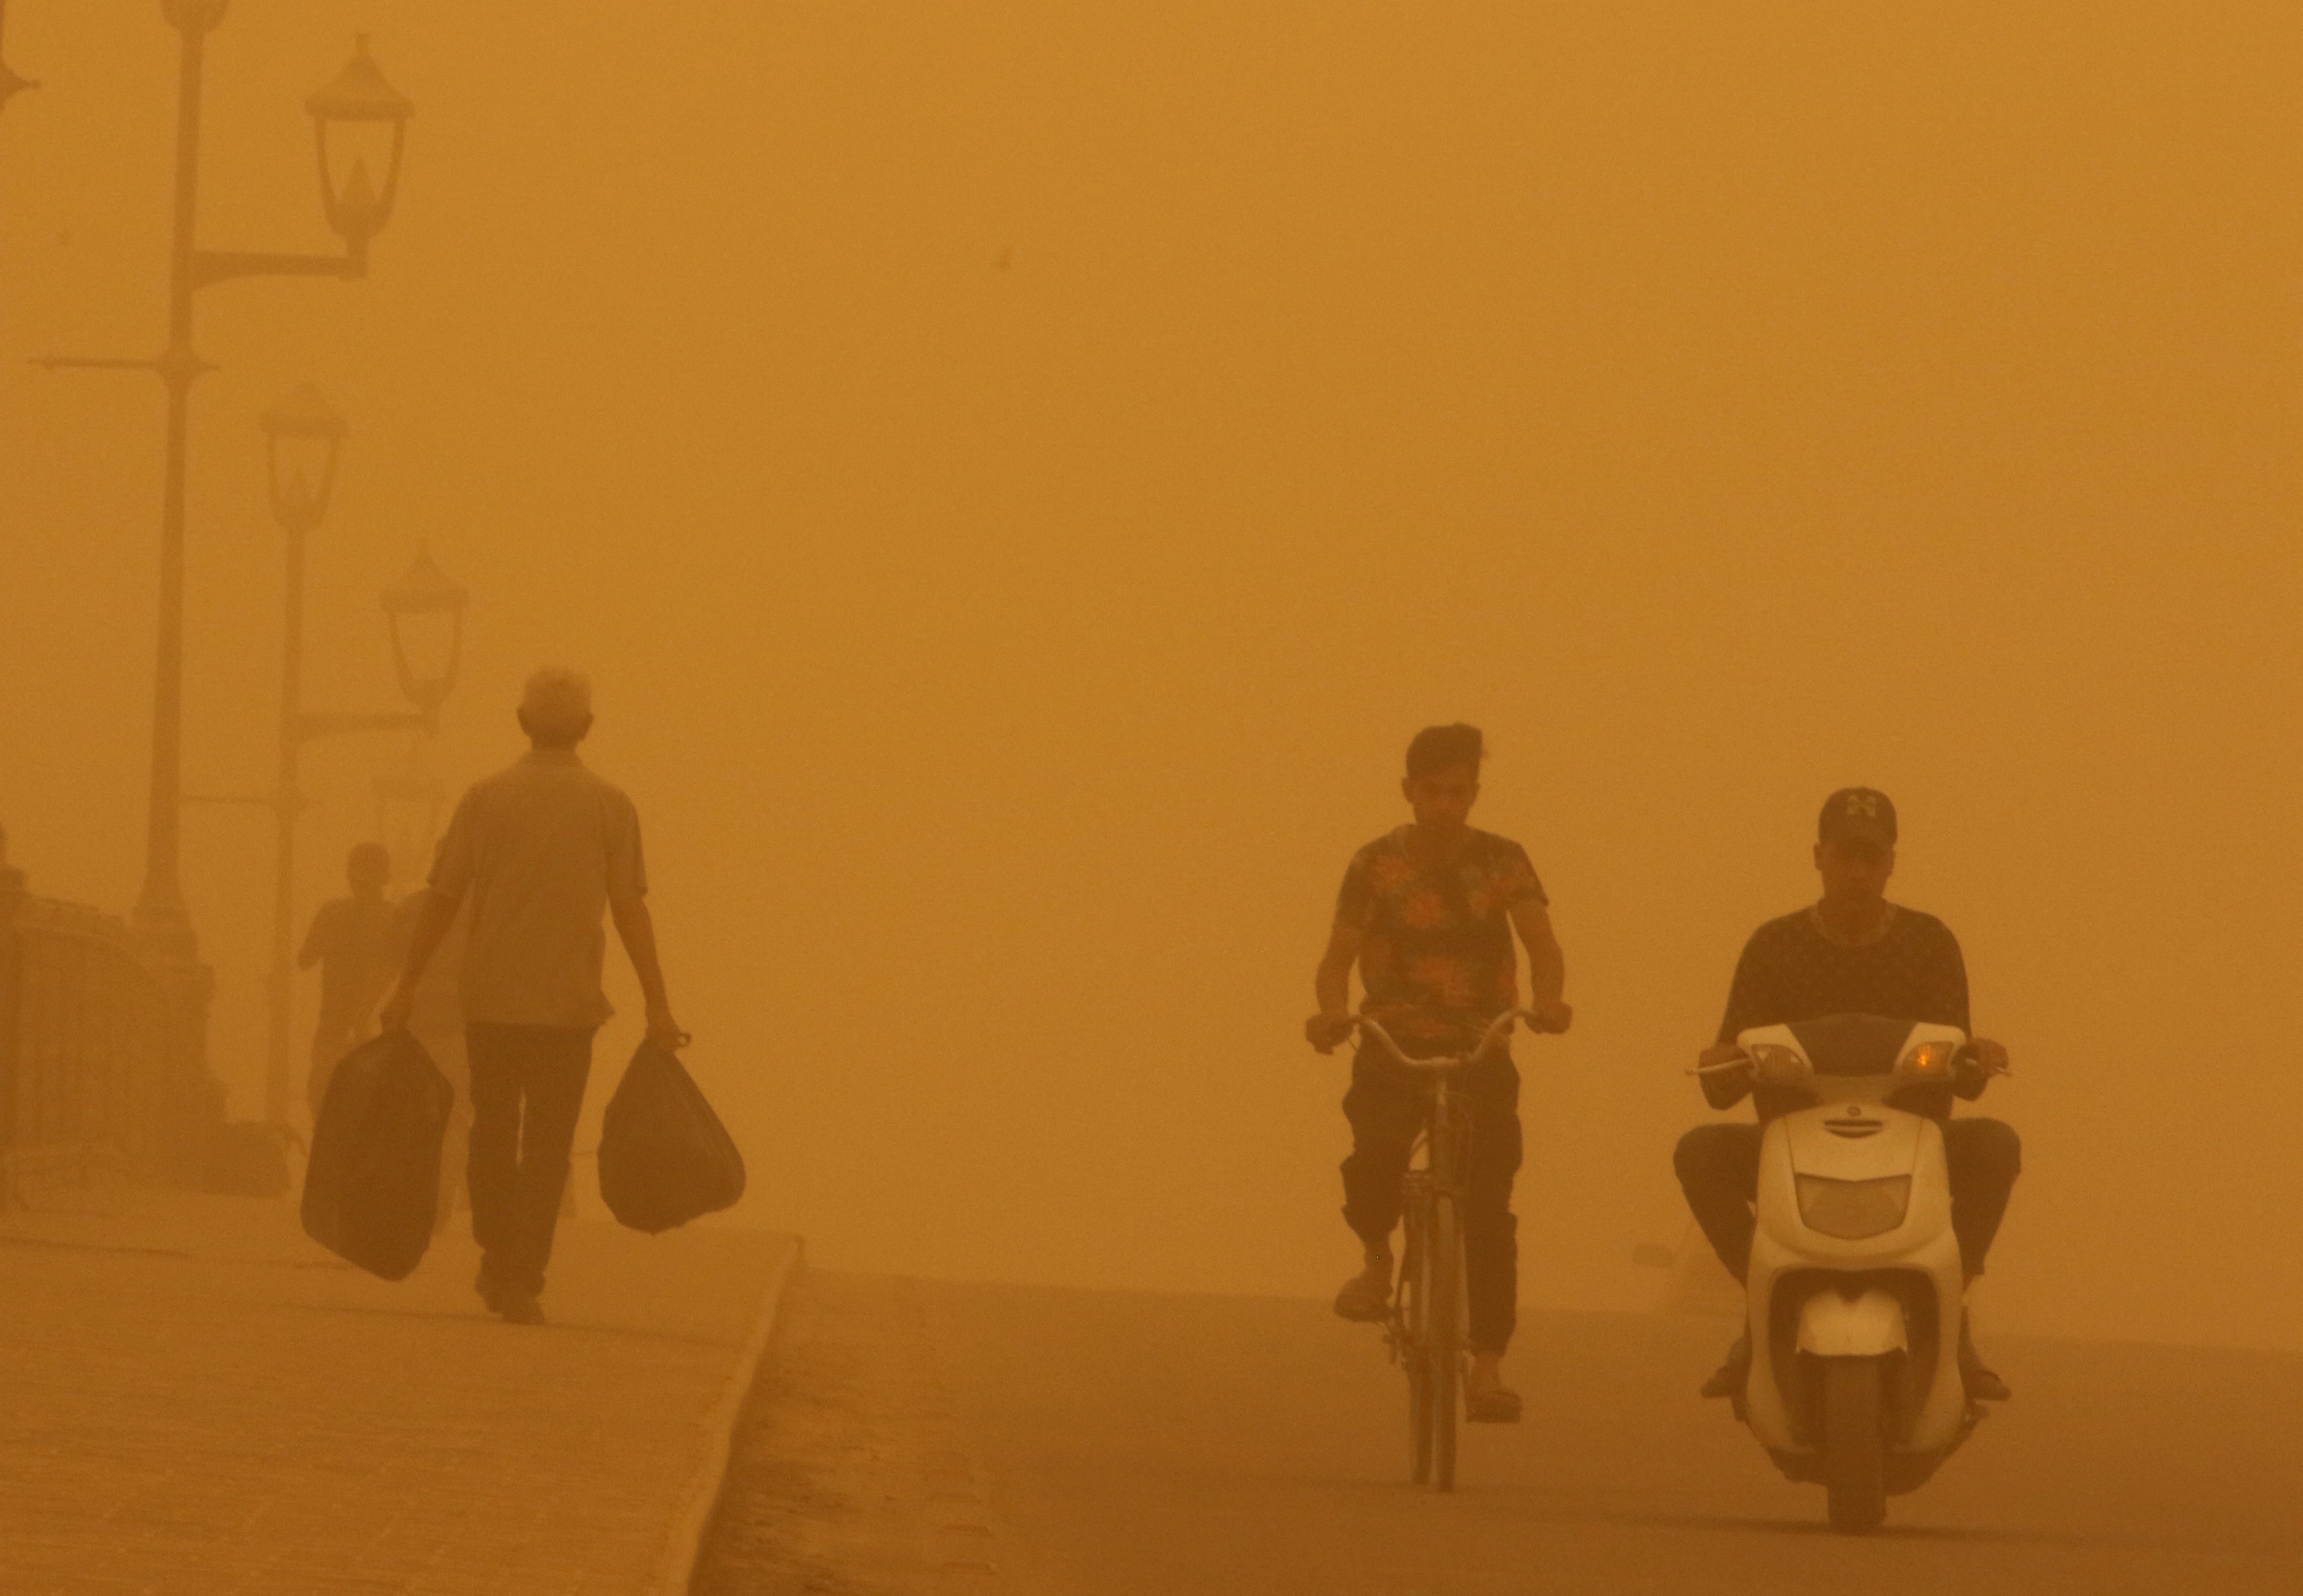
(1492, 1405)
(1363, 1301)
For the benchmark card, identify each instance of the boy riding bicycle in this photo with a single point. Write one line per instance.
(1427, 912)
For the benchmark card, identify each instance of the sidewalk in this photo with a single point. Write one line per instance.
(195, 1398)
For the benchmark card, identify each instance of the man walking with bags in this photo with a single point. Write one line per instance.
(541, 850)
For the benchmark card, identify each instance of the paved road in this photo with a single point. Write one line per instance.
(920, 1437)
(196, 1399)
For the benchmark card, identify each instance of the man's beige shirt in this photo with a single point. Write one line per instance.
(541, 848)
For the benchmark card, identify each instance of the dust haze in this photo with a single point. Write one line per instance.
(1018, 475)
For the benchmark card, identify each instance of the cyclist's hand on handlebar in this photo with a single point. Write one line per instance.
(1326, 1031)
(1553, 1017)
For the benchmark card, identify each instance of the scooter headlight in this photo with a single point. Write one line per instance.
(1853, 1210)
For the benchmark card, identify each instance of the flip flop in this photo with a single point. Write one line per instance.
(1361, 1303)
(1497, 1404)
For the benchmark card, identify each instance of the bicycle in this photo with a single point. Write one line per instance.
(1425, 1328)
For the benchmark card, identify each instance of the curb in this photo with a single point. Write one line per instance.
(683, 1547)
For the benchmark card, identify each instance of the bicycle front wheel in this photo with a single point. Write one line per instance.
(1409, 1327)
(1443, 1338)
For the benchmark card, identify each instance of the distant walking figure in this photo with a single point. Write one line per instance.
(355, 943)
(540, 849)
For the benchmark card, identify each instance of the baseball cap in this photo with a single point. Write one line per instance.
(1863, 813)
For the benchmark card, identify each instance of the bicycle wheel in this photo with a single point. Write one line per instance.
(1443, 1339)
(1408, 1331)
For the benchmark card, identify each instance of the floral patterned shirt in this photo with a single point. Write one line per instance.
(1436, 953)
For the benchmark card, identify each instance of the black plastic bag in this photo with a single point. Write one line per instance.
(664, 1156)
(372, 1187)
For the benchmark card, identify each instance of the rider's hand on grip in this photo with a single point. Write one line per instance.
(1725, 1073)
(1326, 1032)
(1978, 1061)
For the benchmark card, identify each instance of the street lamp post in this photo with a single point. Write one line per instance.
(427, 611)
(408, 805)
(359, 100)
(303, 437)
(426, 614)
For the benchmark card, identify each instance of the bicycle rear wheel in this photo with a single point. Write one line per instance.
(1442, 1337)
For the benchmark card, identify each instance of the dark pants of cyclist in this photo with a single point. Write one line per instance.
(1718, 1168)
(1388, 1107)
(528, 1087)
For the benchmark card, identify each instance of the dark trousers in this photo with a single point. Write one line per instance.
(1719, 1169)
(1389, 1107)
(528, 1087)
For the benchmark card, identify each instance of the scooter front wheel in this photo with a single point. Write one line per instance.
(1854, 1445)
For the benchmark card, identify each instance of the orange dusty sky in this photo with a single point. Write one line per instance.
(1018, 473)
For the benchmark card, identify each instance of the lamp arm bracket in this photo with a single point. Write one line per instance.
(219, 266)
(311, 724)
(94, 363)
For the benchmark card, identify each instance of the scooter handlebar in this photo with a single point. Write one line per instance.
(1991, 1071)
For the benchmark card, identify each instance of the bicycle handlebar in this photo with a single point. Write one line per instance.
(1496, 1030)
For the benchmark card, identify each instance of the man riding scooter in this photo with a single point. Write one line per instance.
(1850, 952)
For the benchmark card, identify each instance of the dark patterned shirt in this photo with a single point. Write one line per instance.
(1790, 970)
(1436, 954)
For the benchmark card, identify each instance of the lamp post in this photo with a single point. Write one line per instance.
(408, 805)
(303, 438)
(426, 613)
(358, 102)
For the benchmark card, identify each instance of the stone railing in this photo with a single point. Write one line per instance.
(103, 1050)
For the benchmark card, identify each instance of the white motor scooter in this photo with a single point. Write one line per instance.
(1855, 1294)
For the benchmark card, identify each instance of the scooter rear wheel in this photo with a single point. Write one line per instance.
(1854, 1446)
